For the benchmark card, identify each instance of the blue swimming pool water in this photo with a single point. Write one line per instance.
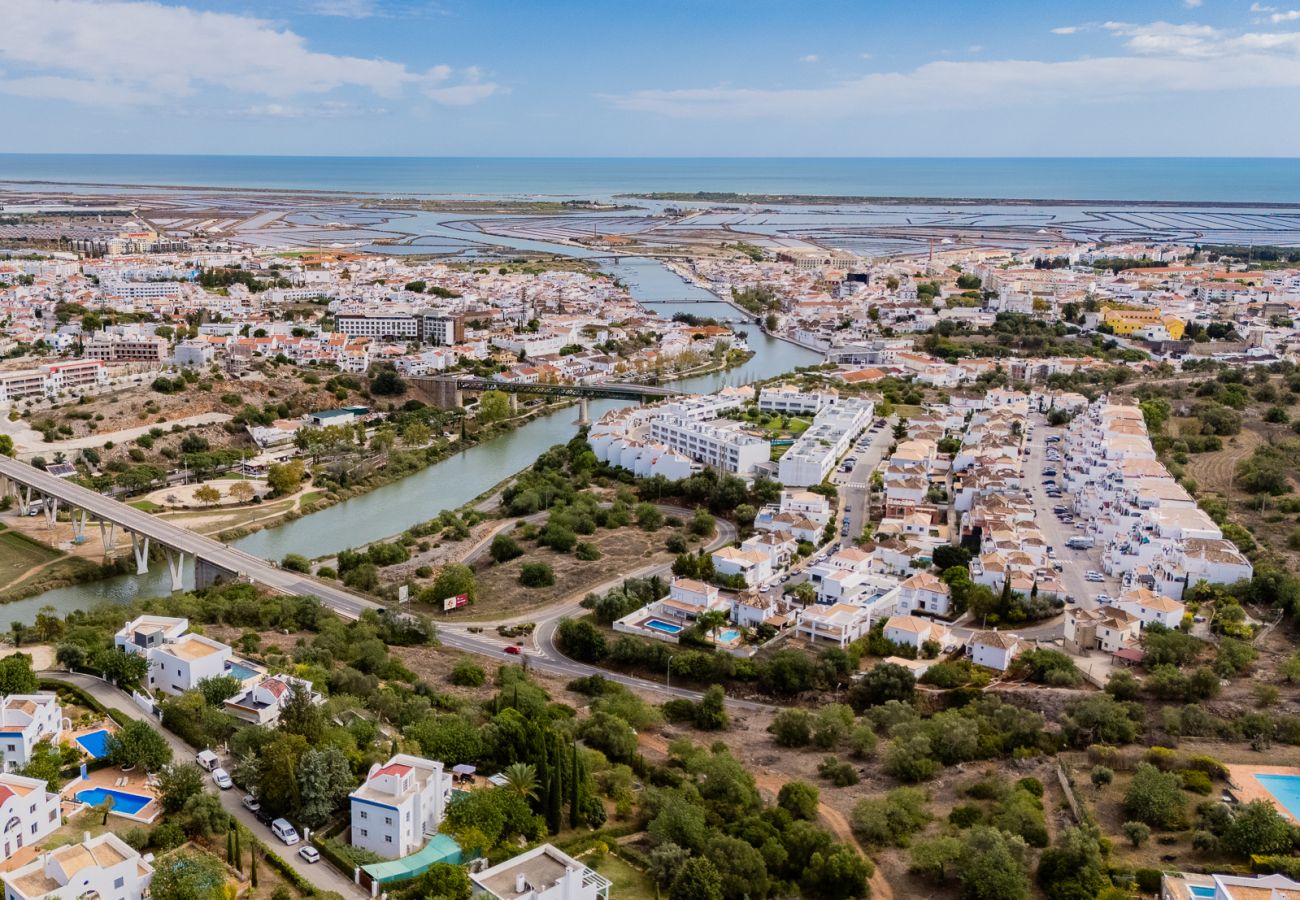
(95, 743)
(728, 636)
(1285, 790)
(665, 627)
(1200, 890)
(239, 670)
(122, 801)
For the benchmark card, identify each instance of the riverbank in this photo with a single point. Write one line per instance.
(30, 566)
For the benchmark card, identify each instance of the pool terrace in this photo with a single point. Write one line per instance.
(1279, 785)
(134, 796)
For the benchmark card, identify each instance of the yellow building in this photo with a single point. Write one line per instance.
(1124, 322)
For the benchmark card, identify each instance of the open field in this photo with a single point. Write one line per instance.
(628, 883)
(20, 554)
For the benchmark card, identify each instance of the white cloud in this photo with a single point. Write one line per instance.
(1261, 8)
(1066, 29)
(1192, 4)
(864, 56)
(1289, 15)
(975, 48)
(1161, 59)
(130, 52)
(810, 58)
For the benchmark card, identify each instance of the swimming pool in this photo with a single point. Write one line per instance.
(1200, 890)
(123, 802)
(239, 670)
(1285, 790)
(726, 637)
(661, 625)
(94, 742)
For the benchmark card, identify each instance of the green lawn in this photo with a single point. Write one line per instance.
(146, 506)
(18, 553)
(628, 883)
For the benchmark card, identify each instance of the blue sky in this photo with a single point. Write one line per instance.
(652, 78)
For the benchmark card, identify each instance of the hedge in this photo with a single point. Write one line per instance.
(291, 875)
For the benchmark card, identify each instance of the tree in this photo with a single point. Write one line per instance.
(535, 575)
(204, 816)
(493, 406)
(188, 876)
(992, 866)
(324, 781)
(139, 744)
(1257, 829)
(286, 478)
(242, 491)
(387, 384)
(792, 727)
(46, 763)
(582, 640)
(16, 675)
(1155, 797)
(1137, 833)
(177, 783)
(219, 688)
(1101, 776)
(452, 581)
(441, 881)
(7, 446)
(932, 858)
(697, 879)
(665, 861)
(1075, 866)
(711, 711)
(799, 799)
(521, 779)
(122, 668)
(839, 873)
(302, 715)
(885, 682)
(505, 548)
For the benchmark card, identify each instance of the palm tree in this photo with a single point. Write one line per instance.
(711, 621)
(521, 778)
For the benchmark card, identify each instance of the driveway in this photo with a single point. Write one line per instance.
(323, 875)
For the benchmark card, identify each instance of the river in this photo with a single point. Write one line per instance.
(389, 510)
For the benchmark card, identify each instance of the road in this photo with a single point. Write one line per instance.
(321, 874)
(854, 485)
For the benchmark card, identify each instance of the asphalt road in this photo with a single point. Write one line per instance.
(321, 874)
(853, 485)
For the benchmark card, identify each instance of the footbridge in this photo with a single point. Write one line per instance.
(213, 560)
(449, 391)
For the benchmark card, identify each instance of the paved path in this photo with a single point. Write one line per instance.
(323, 875)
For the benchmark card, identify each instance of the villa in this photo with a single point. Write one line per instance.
(25, 721)
(177, 661)
(102, 867)
(542, 873)
(30, 812)
(262, 703)
(399, 804)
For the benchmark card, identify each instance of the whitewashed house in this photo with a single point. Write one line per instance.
(995, 649)
(104, 868)
(542, 873)
(399, 803)
(28, 810)
(25, 721)
(925, 592)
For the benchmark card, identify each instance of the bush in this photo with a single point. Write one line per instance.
(468, 674)
(587, 552)
(505, 548)
(1196, 782)
(536, 575)
(838, 773)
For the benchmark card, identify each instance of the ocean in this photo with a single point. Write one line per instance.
(1185, 180)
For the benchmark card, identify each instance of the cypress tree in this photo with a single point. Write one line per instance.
(555, 797)
(239, 852)
(252, 866)
(230, 846)
(574, 785)
(543, 779)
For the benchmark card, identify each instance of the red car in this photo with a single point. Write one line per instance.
(513, 650)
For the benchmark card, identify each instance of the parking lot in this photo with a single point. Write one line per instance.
(1058, 529)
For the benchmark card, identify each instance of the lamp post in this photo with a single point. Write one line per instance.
(668, 682)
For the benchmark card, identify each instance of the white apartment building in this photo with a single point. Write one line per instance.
(121, 348)
(399, 804)
(725, 449)
(542, 873)
(142, 290)
(177, 661)
(25, 721)
(378, 325)
(28, 809)
(51, 380)
(788, 399)
(815, 452)
(104, 868)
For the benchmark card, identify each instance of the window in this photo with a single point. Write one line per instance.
(388, 838)
(363, 814)
(388, 820)
(120, 882)
(364, 832)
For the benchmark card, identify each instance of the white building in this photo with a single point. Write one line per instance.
(786, 398)
(842, 623)
(542, 873)
(815, 452)
(103, 868)
(995, 649)
(263, 702)
(30, 812)
(177, 661)
(910, 631)
(926, 592)
(25, 721)
(399, 803)
(1147, 607)
(752, 565)
(726, 449)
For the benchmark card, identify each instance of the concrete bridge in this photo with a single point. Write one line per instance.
(213, 560)
(448, 391)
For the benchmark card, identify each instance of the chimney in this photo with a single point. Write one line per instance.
(521, 883)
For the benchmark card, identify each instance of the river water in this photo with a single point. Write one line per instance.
(391, 509)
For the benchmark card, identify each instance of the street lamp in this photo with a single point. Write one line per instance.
(668, 682)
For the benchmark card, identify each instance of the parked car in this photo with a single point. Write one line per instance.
(284, 830)
(221, 778)
(513, 650)
(251, 804)
(1103, 599)
(1094, 575)
(310, 854)
(207, 760)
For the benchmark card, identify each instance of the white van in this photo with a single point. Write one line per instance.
(207, 760)
(285, 831)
